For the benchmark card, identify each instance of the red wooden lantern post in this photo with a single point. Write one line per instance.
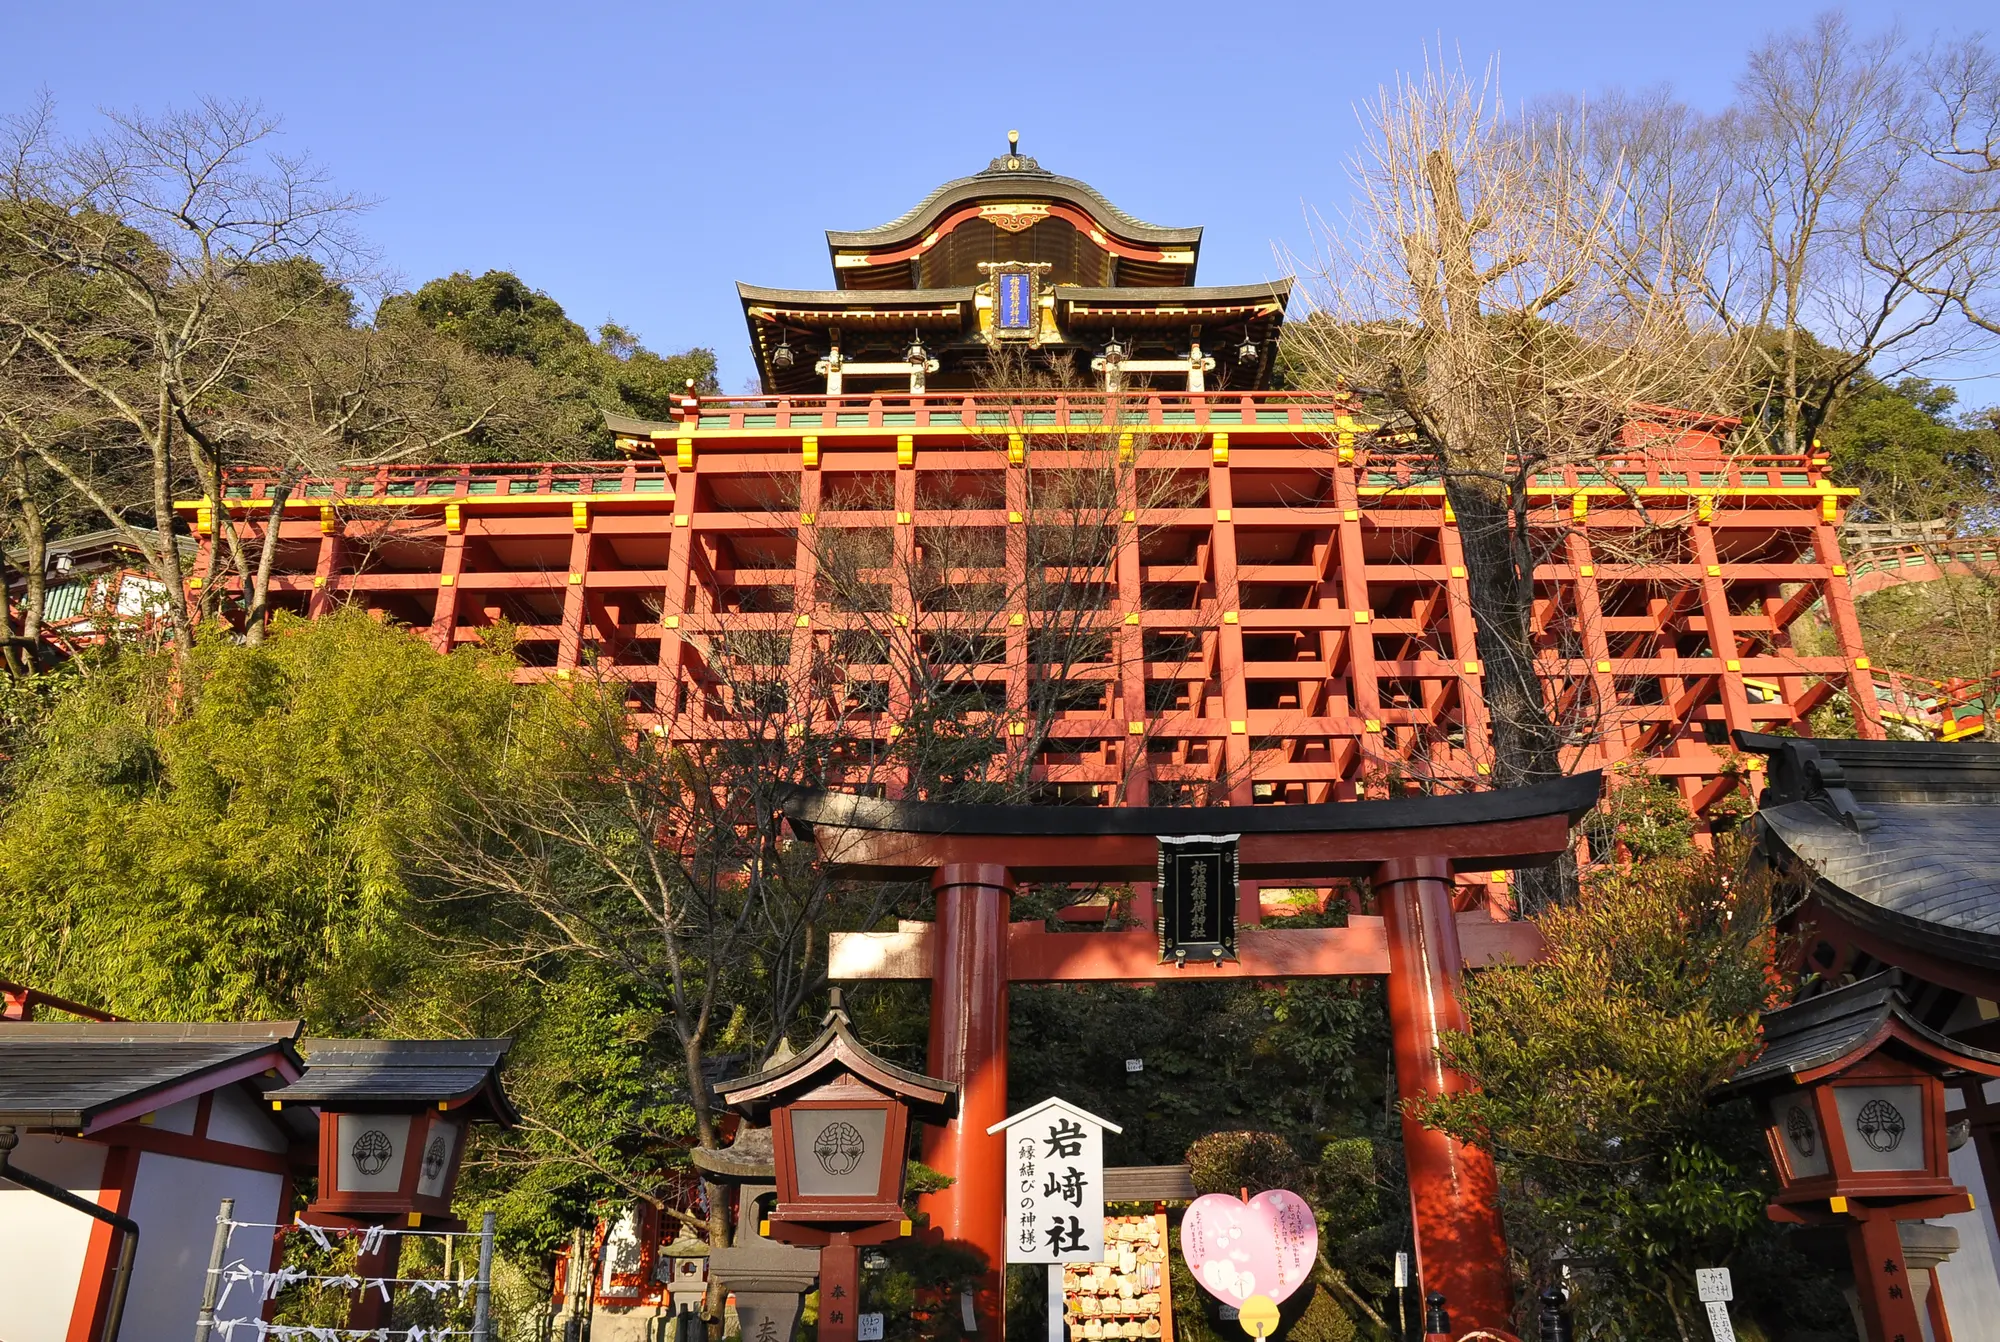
(1852, 1088)
(393, 1115)
(840, 1129)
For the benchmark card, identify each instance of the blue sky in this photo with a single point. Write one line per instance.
(633, 161)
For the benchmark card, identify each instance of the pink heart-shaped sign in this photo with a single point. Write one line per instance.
(1237, 1249)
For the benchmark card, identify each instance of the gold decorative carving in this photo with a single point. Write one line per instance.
(1015, 218)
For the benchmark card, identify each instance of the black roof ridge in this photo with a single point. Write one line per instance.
(149, 1031)
(1571, 795)
(314, 1046)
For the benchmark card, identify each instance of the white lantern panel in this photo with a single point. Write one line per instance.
(623, 1254)
(371, 1152)
(839, 1152)
(1798, 1132)
(439, 1147)
(1883, 1125)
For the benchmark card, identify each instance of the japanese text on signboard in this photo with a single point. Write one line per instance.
(1055, 1186)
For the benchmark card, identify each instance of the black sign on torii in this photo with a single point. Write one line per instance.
(1195, 892)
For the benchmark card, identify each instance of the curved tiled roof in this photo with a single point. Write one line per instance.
(1902, 838)
(1843, 1022)
(401, 1072)
(1000, 180)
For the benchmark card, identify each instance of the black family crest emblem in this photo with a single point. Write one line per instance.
(372, 1151)
(1881, 1125)
(1799, 1127)
(839, 1148)
(434, 1157)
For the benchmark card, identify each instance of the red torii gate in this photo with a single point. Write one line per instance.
(1408, 848)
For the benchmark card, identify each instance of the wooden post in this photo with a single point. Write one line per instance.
(1454, 1193)
(204, 1319)
(370, 1309)
(839, 1290)
(1882, 1279)
(482, 1291)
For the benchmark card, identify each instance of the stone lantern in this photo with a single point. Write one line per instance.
(839, 1120)
(1851, 1088)
(769, 1279)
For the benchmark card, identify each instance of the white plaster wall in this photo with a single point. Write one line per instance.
(234, 1117)
(177, 1117)
(42, 1242)
(174, 1201)
(1970, 1279)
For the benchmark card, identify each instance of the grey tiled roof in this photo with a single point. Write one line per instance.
(399, 1071)
(854, 298)
(1926, 872)
(1149, 1183)
(748, 1159)
(65, 1075)
(1829, 1027)
(1902, 838)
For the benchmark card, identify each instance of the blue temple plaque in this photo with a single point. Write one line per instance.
(1014, 300)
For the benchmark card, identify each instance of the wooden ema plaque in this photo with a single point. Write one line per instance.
(1129, 1293)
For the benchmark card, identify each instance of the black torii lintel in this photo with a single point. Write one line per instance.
(882, 839)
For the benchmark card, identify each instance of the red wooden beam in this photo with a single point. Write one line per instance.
(1036, 955)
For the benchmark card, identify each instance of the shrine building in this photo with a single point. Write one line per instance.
(1284, 617)
(1014, 260)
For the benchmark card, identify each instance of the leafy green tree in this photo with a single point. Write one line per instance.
(498, 315)
(239, 834)
(1593, 1069)
(224, 835)
(1914, 458)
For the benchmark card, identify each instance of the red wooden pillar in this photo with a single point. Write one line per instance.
(969, 1046)
(1882, 1279)
(325, 569)
(576, 597)
(839, 1290)
(1454, 1194)
(444, 615)
(101, 1250)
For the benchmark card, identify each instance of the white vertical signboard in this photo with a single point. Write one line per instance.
(1712, 1284)
(1055, 1183)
